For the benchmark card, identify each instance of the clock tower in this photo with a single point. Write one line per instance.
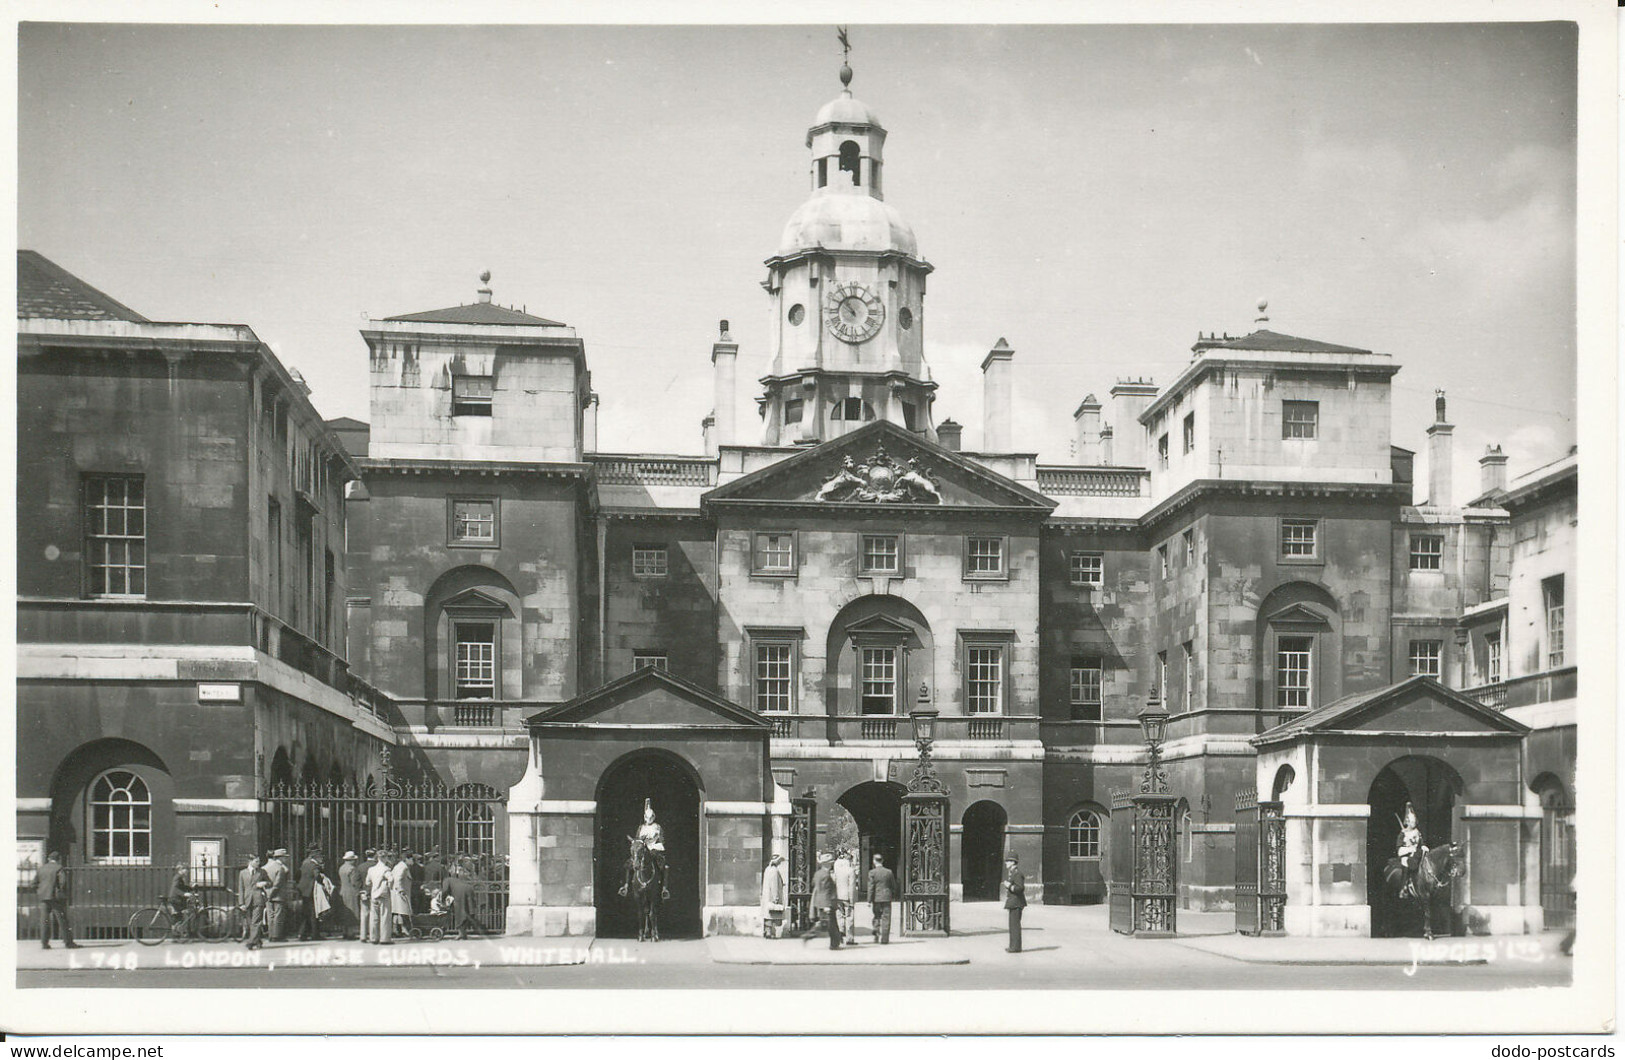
(847, 292)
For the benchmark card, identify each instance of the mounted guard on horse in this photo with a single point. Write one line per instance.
(644, 878)
(1422, 875)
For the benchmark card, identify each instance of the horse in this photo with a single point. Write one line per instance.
(641, 879)
(1438, 867)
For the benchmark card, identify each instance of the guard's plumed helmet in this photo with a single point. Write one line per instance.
(648, 811)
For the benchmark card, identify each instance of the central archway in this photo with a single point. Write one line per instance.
(981, 851)
(877, 808)
(673, 789)
(1433, 788)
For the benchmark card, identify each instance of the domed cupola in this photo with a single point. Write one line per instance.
(847, 286)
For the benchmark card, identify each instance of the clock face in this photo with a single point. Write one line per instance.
(853, 313)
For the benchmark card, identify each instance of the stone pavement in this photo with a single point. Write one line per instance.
(1059, 940)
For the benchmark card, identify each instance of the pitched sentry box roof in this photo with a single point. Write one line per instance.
(45, 290)
(1346, 714)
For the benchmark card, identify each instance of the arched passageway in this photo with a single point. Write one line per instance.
(876, 808)
(981, 851)
(673, 790)
(1433, 788)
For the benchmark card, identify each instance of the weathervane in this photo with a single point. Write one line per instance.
(846, 49)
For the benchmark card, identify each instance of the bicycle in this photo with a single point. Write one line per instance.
(157, 923)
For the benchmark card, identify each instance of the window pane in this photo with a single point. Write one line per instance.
(473, 521)
(985, 684)
(1292, 676)
(1300, 419)
(880, 553)
(879, 680)
(985, 555)
(1298, 537)
(116, 523)
(773, 677)
(649, 561)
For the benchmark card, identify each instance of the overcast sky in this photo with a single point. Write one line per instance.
(1096, 195)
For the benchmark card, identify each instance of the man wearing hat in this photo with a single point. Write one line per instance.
(1015, 899)
(823, 898)
(310, 871)
(281, 891)
(363, 876)
(350, 884)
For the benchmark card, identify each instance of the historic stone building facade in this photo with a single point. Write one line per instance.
(526, 614)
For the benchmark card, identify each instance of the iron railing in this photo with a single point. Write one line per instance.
(102, 897)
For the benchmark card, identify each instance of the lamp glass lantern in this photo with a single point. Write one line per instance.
(925, 722)
(1154, 720)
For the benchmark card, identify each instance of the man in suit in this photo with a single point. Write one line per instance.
(383, 930)
(882, 893)
(1015, 899)
(51, 887)
(309, 870)
(245, 892)
(258, 895)
(281, 893)
(823, 898)
(364, 894)
(460, 889)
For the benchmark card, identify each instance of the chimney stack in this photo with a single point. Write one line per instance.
(1441, 450)
(1129, 399)
(948, 435)
(724, 359)
(1106, 446)
(996, 398)
(708, 430)
(1492, 470)
(589, 425)
(1087, 421)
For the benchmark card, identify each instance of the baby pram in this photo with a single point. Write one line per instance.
(433, 924)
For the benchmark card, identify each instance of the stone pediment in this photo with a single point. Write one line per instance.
(1297, 615)
(881, 465)
(1419, 706)
(473, 601)
(650, 699)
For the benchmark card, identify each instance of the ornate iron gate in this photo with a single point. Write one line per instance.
(803, 837)
(1260, 866)
(1143, 864)
(925, 850)
(420, 816)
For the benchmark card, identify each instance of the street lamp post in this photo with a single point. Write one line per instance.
(924, 829)
(1146, 820)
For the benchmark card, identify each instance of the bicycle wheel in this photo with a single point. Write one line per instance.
(150, 926)
(214, 924)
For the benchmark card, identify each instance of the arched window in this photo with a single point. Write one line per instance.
(120, 818)
(1083, 836)
(849, 159)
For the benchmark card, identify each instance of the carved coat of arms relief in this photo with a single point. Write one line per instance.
(880, 479)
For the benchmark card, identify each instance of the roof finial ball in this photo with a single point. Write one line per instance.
(846, 70)
(485, 286)
(1263, 306)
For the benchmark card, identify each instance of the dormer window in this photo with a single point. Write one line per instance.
(850, 160)
(471, 395)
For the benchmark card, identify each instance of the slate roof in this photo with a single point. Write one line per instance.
(1327, 717)
(45, 290)
(581, 707)
(1274, 340)
(477, 313)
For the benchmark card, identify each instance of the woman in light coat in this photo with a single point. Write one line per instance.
(400, 894)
